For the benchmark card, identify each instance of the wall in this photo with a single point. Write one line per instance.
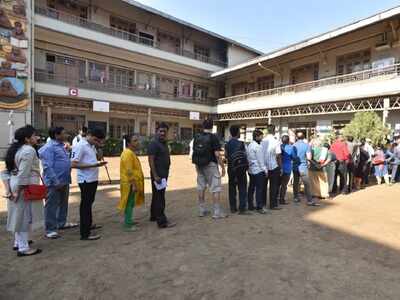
(237, 55)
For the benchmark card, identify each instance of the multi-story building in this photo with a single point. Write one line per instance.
(119, 65)
(318, 84)
(124, 66)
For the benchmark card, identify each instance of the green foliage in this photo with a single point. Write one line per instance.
(367, 125)
(112, 147)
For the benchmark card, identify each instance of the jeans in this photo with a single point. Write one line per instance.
(56, 208)
(237, 181)
(88, 194)
(367, 173)
(341, 171)
(394, 173)
(303, 175)
(157, 211)
(283, 188)
(330, 170)
(273, 179)
(257, 184)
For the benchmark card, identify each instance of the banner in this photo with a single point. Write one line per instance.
(15, 51)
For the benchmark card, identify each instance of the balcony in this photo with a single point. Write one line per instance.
(369, 83)
(112, 87)
(129, 37)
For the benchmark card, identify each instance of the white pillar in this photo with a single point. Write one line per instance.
(386, 106)
(149, 121)
(48, 116)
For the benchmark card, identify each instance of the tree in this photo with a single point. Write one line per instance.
(367, 125)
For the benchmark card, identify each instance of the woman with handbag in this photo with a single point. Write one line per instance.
(380, 165)
(25, 197)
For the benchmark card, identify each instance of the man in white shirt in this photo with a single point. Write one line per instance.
(271, 149)
(82, 134)
(84, 158)
(257, 173)
(371, 152)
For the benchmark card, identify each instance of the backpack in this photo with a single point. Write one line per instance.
(202, 150)
(239, 161)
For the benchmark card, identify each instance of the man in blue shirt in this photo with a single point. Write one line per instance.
(300, 169)
(288, 155)
(57, 177)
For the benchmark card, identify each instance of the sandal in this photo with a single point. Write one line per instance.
(69, 226)
(29, 252)
(52, 235)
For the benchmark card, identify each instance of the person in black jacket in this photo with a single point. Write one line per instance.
(235, 150)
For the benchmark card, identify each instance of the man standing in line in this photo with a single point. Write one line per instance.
(206, 156)
(339, 148)
(287, 167)
(82, 134)
(57, 177)
(159, 161)
(272, 154)
(84, 158)
(371, 152)
(351, 147)
(235, 153)
(257, 172)
(303, 154)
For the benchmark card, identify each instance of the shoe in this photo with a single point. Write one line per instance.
(245, 213)
(262, 211)
(30, 252)
(96, 226)
(219, 216)
(30, 242)
(284, 203)
(91, 238)
(168, 225)
(131, 228)
(296, 200)
(276, 208)
(69, 226)
(52, 235)
(313, 204)
(251, 208)
(203, 213)
(153, 219)
(234, 211)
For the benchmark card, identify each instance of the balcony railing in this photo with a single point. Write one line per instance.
(127, 36)
(112, 87)
(393, 70)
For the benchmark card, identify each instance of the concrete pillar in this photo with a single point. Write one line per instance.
(149, 121)
(269, 117)
(48, 116)
(386, 106)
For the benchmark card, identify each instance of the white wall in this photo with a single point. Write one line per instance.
(237, 55)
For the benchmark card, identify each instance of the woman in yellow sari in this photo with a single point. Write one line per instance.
(132, 181)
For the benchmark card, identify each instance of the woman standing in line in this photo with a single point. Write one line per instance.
(23, 169)
(132, 181)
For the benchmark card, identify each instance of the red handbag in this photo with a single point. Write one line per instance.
(35, 192)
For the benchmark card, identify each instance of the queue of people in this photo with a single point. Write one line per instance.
(258, 173)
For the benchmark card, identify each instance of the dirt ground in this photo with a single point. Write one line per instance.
(349, 248)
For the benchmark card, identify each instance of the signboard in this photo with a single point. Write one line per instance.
(194, 115)
(73, 92)
(102, 106)
(324, 126)
(15, 46)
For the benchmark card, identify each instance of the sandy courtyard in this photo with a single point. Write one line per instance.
(349, 248)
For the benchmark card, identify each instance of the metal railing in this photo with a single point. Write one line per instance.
(128, 36)
(113, 87)
(307, 86)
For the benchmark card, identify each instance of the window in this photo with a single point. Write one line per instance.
(144, 81)
(201, 53)
(97, 72)
(121, 78)
(305, 73)
(146, 39)
(200, 92)
(128, 28)
(265, 83)
(239, 88)
(186, 89)
(353, 62)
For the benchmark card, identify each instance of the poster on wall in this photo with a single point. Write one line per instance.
(14, 54)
